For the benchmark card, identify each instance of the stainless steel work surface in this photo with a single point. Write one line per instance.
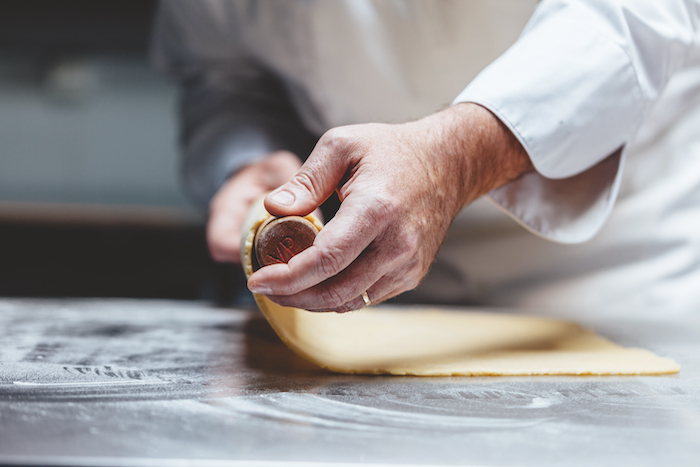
(116, 382)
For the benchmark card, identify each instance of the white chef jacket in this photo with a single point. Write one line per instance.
(602, 94)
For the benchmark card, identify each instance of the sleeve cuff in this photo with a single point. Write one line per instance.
(553, 89)
(568, 210)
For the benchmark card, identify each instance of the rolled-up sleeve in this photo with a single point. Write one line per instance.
(233, 109)
(574, 89)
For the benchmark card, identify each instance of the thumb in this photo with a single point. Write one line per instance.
(315, 181)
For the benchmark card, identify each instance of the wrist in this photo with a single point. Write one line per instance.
(482, 153)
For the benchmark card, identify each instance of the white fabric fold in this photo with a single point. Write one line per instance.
(574, 89)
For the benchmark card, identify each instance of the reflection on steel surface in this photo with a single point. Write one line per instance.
(107, 382)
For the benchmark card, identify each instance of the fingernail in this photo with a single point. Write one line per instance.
(282, 197)
(260, 289)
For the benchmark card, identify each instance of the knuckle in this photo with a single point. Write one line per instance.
(330, 262)
(223, 251)
(341, 308)
(411, 248)
(344, 309)
(223, 256)
(413, 281)
(308, 181)
(385, 206)
(335, 139)
(405, 252)
(382, 210)
(215, 237)
(411, 277)
(343, 142)
(333, 296)
(406, 248)
(415, 275)
(217, 256)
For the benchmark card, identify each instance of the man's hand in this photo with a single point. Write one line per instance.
(400, 187)
(228, 209)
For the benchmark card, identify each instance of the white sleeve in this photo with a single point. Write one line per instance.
(574, 89)
(233, 109)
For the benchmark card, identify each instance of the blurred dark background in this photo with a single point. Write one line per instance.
(83, 26)
(90, 202)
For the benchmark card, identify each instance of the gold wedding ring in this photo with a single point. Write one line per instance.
(366, 299)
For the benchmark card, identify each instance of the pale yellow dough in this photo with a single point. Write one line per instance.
(430, 342)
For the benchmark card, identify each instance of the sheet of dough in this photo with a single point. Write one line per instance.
(430, 342)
